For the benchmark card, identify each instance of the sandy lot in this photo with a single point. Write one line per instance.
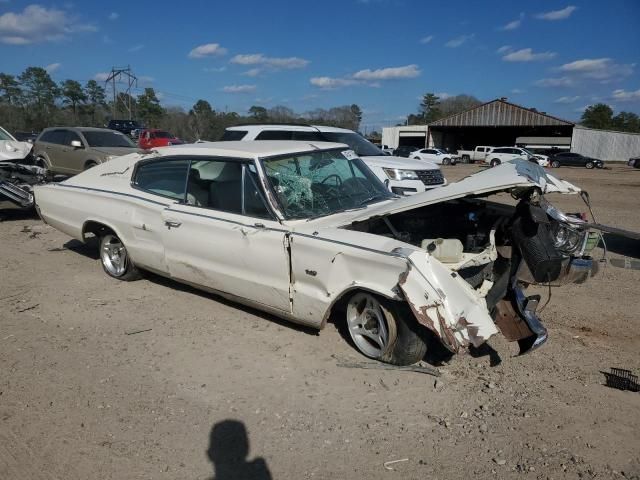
(211, 381)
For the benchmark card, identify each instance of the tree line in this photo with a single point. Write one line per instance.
(32, 101)
(601, 116)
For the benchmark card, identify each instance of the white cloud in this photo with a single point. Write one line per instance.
(557, 14)
(107, 40)
(330, 83)
(276, 63)
(113, 16)
(567, 99)
(253, 72)
(391, 73)
(427, 39)
(515, 24)
(215, 69)
(555, 82)
(504, 49)
(239, 88)
(37, 24)
(603, 69)
(145, 80)
(101, 76)
(52, 67)
(527, 55)
(625, 96)
(208, 50)
(458, 41)
(136, 48)
(442, 95)
(367, 77)
(516, 91)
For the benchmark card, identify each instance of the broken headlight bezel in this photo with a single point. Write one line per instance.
(567, 238)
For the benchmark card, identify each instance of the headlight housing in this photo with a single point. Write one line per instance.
(398, 174)
(566, 238)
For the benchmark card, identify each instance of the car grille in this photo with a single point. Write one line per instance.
(430, 177)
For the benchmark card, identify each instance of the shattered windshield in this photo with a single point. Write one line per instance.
(4, 135)
(107, 139)
(359, 144)
(314, 184)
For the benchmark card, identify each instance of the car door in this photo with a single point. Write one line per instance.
(55, 150)
(73, 158)
(224, 237)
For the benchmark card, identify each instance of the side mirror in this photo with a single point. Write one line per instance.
(76, 143)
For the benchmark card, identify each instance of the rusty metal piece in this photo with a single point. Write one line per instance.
(511, 325)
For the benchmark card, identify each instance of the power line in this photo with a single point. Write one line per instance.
(131, 80)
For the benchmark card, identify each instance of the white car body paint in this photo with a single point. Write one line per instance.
(12, 149)
(296, 269)
(434, 155)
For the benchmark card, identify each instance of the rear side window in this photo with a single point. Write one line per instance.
(232, 135)
(275, 135)
(167, 178)
(54, 136)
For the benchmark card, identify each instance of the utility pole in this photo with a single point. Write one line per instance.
(130, 80)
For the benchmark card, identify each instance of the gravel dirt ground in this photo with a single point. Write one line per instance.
(206, 381)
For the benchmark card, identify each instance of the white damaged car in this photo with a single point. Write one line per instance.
(307, 231)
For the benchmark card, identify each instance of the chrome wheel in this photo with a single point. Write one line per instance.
(367, 325)
(113, 255)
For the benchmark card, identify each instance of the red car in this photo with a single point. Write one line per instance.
(153, 138)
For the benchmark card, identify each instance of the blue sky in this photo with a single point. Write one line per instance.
(381, 54)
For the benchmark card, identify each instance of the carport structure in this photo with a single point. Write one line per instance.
(496, 123)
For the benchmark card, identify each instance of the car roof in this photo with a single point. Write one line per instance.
(82, 129)
(258, 148)
(293, 127)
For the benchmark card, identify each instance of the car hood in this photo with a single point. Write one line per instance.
(117, 151)
(14, 150)
(508, 176)
(390, 161)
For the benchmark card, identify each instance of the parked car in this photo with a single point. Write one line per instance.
(70, 150)
(478, 154)
(17, 173)
(436, 155)
(568, 159)
(404, 151)
(153, 138)
(124, 126)
(306, 231)
(401, 175)
(26, 136)
(634, 162)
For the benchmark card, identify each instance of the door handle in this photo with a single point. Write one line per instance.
(172, 224)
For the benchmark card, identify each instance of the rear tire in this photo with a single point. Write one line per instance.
(555, 164)
(384, 330)
(495, 162)
(466, 159)
(589, 165)
(115, 259)
(446, 161)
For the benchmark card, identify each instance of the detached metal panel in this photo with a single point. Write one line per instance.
(604, 144)
(499, 113)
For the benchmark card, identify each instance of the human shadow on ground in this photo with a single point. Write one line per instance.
(228, 451)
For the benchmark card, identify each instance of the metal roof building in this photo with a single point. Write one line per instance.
(501, 123)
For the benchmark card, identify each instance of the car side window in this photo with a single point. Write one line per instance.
(167, 178)
(71, 136)
(227, 186)
(232, 135)
(57, 137)
(274, 135)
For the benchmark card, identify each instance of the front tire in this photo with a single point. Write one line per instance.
(589, 165)
(495, 162)
(90, 164)
(555, 164)
(382, 330)
(446, 161)
(115, 259)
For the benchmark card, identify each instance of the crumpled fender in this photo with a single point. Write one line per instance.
(445, 303)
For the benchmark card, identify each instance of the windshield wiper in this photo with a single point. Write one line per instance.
(374, 197)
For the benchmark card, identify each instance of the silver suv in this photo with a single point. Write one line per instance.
(70, 150)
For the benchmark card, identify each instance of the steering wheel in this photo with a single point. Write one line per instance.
(338, 183)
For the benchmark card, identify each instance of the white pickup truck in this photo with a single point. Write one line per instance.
(478, 154)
